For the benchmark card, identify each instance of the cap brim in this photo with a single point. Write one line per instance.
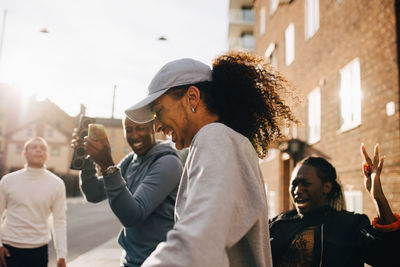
(141, 111)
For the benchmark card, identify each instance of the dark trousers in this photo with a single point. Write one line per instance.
(27, 257)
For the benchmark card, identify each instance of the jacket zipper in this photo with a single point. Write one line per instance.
(322, 245)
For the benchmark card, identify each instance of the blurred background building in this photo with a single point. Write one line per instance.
(241, 25)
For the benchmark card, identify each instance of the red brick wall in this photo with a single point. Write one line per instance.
(354, 28)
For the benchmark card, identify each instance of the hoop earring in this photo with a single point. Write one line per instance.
(193, 110)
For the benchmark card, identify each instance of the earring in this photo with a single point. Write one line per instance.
(193, 110)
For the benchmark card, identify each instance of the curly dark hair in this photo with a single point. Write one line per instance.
(244, 94)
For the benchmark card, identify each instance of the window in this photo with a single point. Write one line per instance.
(312, 17)
(314, 116)
(248, 41)
(273, 6)
(262, 21)
(270, 55)
(289, 44)
(247, 14)
(350, 96)
(353, 200)
(126, 150)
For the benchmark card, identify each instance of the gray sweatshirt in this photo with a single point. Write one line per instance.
(221, 209)
(142, 196)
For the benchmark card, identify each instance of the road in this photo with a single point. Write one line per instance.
(88, 226)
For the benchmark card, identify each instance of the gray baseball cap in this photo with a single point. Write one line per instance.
(175, 73)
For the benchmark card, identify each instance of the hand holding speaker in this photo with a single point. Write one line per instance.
(79, 153)
(97, 146)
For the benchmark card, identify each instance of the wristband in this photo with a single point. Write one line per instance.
(387, 227)
(110, 170)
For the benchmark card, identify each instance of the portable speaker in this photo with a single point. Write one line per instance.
(79, 152)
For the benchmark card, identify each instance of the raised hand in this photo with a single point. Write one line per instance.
(372, 180)
(99, 150)
(372, 171)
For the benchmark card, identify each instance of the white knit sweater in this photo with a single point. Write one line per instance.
(31, 199)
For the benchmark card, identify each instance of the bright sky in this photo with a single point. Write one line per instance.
(92, 45)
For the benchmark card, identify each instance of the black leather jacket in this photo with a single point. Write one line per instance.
(341, 238)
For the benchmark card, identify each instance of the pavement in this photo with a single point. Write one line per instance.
(106, 255)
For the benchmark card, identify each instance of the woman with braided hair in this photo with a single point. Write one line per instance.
(227, 116)
(320, 232)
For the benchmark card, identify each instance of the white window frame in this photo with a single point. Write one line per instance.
(350, 95)
(262, 21)
(289, 44)
(314, 116)
(270, 55)
(311, 18)
(273, 6)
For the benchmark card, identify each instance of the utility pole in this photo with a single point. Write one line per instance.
(113, 102)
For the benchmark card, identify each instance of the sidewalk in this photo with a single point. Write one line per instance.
(106, 255)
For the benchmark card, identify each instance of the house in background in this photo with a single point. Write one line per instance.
(343, 58)
(58, 140)
(22, 119)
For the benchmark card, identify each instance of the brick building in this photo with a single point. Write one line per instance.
(343, 58)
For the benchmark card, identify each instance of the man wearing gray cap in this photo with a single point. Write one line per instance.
(226, 116)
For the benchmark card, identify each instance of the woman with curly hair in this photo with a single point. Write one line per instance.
(227, 116)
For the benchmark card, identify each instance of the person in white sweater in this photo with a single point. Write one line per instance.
(227, 116)
(30, 199)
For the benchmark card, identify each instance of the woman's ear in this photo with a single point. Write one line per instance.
(327, 188)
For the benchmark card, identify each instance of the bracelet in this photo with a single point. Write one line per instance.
(387, 227)
(110, 170)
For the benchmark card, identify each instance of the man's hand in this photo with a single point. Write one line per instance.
(99, 150)
(61, 262)
(3, 254)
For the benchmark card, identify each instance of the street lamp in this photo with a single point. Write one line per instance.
(294, 147)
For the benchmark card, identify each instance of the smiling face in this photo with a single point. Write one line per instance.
(307, 190)
(140, 137)
(35, 153)
(171, 115)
